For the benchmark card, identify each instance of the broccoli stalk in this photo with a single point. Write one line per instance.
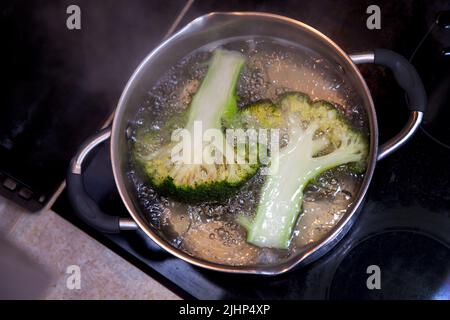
(215, 100)
(314, 130)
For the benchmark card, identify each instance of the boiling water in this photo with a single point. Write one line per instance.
(208, 230)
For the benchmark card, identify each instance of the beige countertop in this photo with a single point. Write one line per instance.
(56, 244)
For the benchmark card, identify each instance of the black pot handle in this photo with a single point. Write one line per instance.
(409, 80)
(83, 205)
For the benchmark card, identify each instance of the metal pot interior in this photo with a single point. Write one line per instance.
(202, 31)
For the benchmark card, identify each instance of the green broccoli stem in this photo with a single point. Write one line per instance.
(216, 98)
(282, 194)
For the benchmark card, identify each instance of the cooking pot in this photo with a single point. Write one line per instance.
(210, 28)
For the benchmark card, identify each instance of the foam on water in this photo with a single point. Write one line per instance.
(208, 230)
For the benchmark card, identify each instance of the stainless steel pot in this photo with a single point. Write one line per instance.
(207, 29)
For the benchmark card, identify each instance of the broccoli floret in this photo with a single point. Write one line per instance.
(262, 114)
(319, 139)
(212, 105)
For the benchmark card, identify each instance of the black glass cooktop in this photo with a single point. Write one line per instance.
(60, 85)
(404, 227)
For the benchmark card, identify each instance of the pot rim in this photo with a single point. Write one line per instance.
(300, 257)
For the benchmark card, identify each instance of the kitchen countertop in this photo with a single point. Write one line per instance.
(56, 244)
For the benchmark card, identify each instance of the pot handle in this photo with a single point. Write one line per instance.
(83, 205)
(407, 77)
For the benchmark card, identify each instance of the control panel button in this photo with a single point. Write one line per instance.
(10, 184)
(25, 193)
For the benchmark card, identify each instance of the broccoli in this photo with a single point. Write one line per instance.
(213, 105)
(319, 139)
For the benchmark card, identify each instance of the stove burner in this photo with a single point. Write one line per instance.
(412, 265)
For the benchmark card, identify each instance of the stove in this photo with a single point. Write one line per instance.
(403, 230)
(61, 85)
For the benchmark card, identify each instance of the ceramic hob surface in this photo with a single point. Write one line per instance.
(57, 96)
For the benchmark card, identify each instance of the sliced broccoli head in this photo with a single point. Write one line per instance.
(256, 115)
(319, 139)
(212, 105)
